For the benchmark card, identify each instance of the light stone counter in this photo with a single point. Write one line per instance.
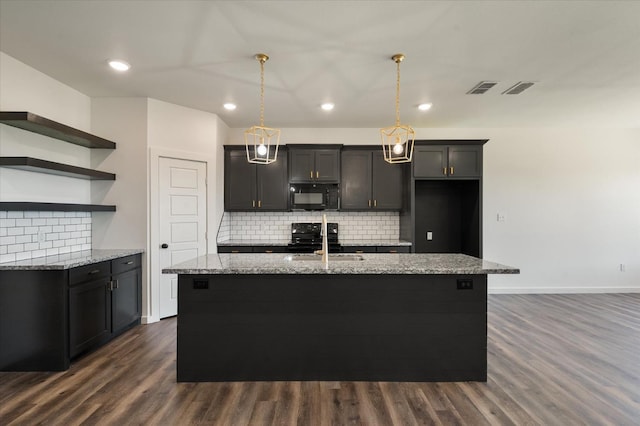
(68, 260)
(280, 263)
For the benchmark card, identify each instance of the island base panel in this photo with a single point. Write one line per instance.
(331, 327)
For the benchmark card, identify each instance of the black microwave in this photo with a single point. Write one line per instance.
(314, 196)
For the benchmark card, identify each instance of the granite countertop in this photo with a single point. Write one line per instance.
(342, 242)
(68, 260)
(277, 263)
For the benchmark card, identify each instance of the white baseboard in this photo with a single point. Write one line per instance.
(561, 290)
(148, 319)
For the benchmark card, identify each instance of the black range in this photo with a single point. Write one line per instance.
(306, 238)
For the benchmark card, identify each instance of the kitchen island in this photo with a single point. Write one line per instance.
(383, 317)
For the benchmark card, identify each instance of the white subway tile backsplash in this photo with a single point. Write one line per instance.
(276, 226)
(63, 232)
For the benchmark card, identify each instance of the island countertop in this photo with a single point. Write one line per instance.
(280, 263)
(67, 260)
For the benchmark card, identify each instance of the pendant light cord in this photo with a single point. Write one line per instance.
(398, 92)
(262, 92)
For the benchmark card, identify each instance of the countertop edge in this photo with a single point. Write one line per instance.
(68, 260)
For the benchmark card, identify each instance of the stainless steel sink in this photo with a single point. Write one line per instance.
(318, 257)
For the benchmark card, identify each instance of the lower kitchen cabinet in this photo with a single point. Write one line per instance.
(376, 249)
(252, 249)
(49, 317)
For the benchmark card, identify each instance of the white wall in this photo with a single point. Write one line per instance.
(23, 88)
(570, 198)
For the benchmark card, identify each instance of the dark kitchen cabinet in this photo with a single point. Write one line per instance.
(251, 187)
(252, 249)
(376, 249)
(104, 300)
(314, 165)
(126, 292)
(447, 161)
(445, 205)
(369, 182)
(48, 317)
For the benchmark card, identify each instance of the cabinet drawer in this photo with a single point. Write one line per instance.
(89, 273)
(125, 264)
(358, 249)
(394, 249)
(235, 249)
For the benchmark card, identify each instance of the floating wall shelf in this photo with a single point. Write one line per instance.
(53, 207)
(44, 126)
(49, 167)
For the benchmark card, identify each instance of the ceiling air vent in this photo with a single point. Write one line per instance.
(481, 87)
(518, 88)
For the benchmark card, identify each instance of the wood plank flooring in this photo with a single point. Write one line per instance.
(552, 360)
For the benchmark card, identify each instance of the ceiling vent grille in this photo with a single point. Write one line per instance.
(518, 88)
(481, 87)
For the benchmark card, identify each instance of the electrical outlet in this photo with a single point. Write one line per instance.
(429, 236)
(465, 284)
(500, 217)
(622, 267)
(41, 237)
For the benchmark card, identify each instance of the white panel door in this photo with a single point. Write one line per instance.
(183, 222)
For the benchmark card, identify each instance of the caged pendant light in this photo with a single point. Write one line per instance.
(397, 141)
(262, 142)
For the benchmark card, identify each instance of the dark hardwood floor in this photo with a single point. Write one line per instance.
(553, 360)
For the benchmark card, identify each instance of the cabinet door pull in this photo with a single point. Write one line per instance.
(375, 203)
(451, 170)
(128, 263)
(317, 174)
(259, 203)
(95, 271)
(268, 251)
(311, 174)
(360, 251)
(235, 251)
(444, 171)
(393, 251)
(109, 285)
(369, 203)
(253, 203)
(115, 283)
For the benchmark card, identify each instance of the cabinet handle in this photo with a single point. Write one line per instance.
(128, 263)
(235, 251)
(253, 203)
(369, 203)
(393, 251)
(451, 170)
(115, 282)
(95, 271)
(268, 251)
(375, 203)
(317, 174)
(360, 251)
(444, 171)
(259, 203)
(311, 174)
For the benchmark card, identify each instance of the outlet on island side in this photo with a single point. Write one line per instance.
(623, 268)
(465, 284)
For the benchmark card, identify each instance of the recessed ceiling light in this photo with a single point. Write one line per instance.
(229, 106)
(327, 106)
(119, 65)
(424, 107)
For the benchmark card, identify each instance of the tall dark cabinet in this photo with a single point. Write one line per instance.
(444, 211)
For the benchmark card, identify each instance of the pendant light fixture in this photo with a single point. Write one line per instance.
(397, 141)
(262, 142)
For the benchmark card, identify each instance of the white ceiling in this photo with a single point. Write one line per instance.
(583, 55)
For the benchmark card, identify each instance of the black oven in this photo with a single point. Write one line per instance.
(314, 196)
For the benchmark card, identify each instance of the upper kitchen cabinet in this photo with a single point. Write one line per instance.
(455, 160)
(254, 187)
(369, 182)
(314, 163)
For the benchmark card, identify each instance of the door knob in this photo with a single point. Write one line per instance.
(164, 245)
